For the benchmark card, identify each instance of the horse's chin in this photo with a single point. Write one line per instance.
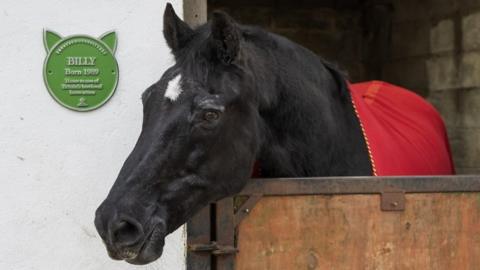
(145, 257)
(151, 250)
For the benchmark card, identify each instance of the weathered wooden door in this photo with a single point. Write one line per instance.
(349, 223)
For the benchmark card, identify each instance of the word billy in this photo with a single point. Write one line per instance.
(80, 61)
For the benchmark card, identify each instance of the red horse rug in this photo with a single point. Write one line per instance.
(405, 135)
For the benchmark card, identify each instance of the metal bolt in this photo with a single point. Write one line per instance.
(247, 210)
(394, 204)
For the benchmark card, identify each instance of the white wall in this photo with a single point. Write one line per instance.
(57, 165)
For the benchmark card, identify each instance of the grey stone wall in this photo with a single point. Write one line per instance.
(453, 72)
(431, 47)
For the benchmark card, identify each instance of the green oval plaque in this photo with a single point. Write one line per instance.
(80, 72)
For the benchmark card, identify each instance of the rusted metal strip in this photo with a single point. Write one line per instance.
(210, 247)
(360, 185)
(213, 248)
(245, 209)
(225, 232)
(225, 250)
(392, 200)
(198, 233)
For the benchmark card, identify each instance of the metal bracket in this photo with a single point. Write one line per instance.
(392, 200)
(213, 248)
(246, 207)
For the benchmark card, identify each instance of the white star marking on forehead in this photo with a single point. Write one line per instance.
(173, 88)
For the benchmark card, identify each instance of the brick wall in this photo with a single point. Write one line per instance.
(431, 47)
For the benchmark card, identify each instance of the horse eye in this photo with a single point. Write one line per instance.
(211, 116)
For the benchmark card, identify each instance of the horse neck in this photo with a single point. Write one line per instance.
(310, 127)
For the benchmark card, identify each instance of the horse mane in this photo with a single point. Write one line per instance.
(269, 43)
(266, 39)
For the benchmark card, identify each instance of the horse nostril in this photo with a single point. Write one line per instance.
(126, 233)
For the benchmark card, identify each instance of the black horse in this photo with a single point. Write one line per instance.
(236, 95)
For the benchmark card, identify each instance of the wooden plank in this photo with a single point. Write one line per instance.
(436, 231)
(198, 232)
(225, 233)
(360, 185)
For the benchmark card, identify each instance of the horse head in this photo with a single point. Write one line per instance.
(198, 143)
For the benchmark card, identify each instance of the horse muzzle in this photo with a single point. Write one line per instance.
(128, 239)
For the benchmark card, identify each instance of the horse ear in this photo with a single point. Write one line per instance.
(176, 32)
(225, 37)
